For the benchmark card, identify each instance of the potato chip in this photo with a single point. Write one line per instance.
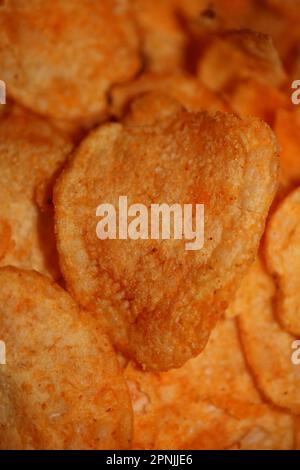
(160, 302)
(297, 433)
(149, 108)
(61, 387)
(31, 154)
(162, 37)
(209, 403)
(251, 98)
(233, 56)
(59, 58)
(283, 259)
(287, 129)
(268, 348)
(188, 91)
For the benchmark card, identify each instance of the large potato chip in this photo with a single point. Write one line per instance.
(31, 155)
(159, 300)
(61, 387)
(209, 403)
(184, 88)
(283, 259)
(267, 346)
(233, 56)
(59, 58)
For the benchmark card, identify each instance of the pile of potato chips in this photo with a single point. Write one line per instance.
(139, 344)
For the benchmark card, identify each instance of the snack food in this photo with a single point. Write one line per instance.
(159, 301)
(59, 58)
(197, 410)
(268, 348)
(234, 56)
(184, 88)
(31, 155)
(61, 387)
(283, 259)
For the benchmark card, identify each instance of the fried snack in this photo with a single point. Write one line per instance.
(287, 129)
(268, 348)
(233, 56)
(150, 108)
(251, 98)
(290, 8)
(31, 155)
(59, 58)
(184, 88)
(162, 37)
(283, 259)
(297, 433)
(209, 403)
(160, 302)
(61, 387)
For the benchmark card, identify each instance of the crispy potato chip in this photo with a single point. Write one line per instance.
(31, 154)
(188, 91)
(61, 387)
(287, 129)
(160, 301)
(209, 403)
(162, 37)
(297, 433)
(233, 56)
(59, 58)
(149, 108)
(251, 98)
(268, 348)
(286, 7)
(283, 259)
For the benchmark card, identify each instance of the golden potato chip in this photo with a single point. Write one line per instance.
(59, 58)
(160, 301)
(31, 154)
(162, 37)
(251, 98)
(188, 91)
(297, 433)
(233, 56)
(283, 259)
(268, 348)
(149, 108)
(209, 403)
(287, 129)
(287, 7)
(61, 387)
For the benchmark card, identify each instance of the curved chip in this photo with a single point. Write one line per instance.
(31, 155)
(252, 98)
(61, 387)
(238, 55)
(209, 403)
(149, 108)
(268, 348)
(184, 88)
(283, 259)
(287, 130)
(59, 58)
(159, 300)
(162, 37)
